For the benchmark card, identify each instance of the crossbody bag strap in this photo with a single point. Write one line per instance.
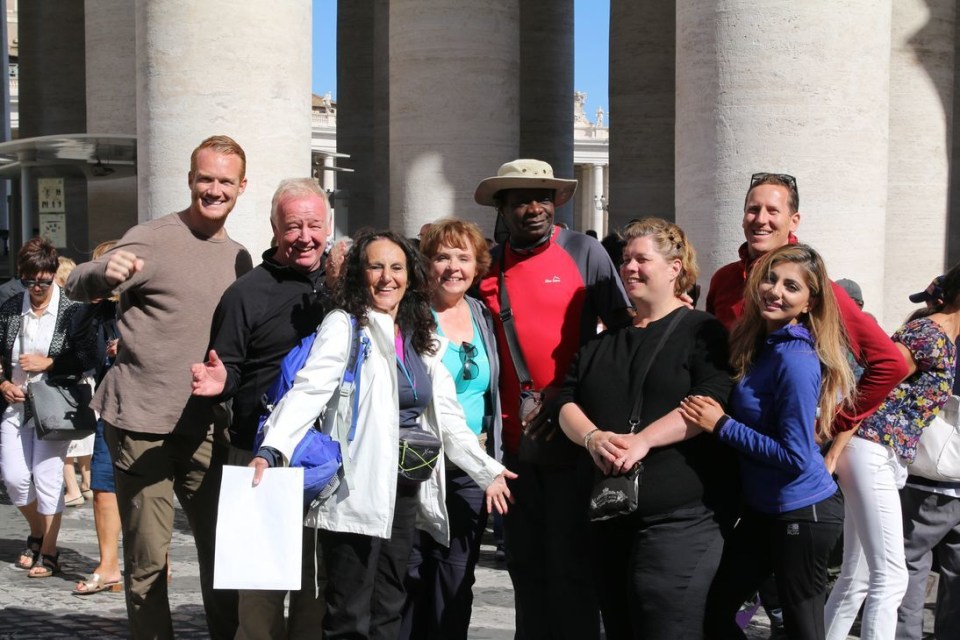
(509, 329)
(638, 404)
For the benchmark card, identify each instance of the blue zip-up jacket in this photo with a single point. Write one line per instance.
(773, 409)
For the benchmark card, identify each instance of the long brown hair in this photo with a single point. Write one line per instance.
(822, 320)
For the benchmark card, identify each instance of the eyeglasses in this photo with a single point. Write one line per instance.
(785, 178)
(468, 355)
(43, 284)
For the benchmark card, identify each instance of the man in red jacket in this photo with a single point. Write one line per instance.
(771, 215)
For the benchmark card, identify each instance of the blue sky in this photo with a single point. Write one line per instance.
(591, 42)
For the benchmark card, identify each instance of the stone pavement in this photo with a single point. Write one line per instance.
(46, 608)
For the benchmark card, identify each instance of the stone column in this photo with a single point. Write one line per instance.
(642, 101)
(363, 114)
(921, 118)
(218, 67)
(546, 87)
(596, 222)
(52, 102)
(453, 106)
(111, 69)
(328, 179)
(811, 101)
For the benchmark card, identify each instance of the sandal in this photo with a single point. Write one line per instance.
(95, 584)
(75, 502)
(48, 566)
(30, 555)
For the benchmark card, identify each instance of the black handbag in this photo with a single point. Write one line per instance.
(61, 409)
(614, 496)
(419, 454)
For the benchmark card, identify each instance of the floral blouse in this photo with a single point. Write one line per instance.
(914, 403)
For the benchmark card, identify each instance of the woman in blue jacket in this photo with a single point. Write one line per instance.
(789, 354)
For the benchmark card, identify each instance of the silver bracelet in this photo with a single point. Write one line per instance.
(587, 438)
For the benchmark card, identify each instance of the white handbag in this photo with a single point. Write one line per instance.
(938, 453)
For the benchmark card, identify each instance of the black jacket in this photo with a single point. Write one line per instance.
(72, 347)
(260, 318)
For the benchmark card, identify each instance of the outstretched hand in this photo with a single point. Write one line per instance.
(209, 378)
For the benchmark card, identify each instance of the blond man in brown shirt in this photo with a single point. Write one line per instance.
(170, 274)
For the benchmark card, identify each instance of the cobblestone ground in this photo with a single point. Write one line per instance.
(47, 609)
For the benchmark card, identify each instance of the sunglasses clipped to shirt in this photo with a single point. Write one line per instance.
(43, 284)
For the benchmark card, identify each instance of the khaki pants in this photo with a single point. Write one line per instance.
(149, 469)
(261, 612)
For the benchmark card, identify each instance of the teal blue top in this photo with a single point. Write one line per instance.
(470, 369)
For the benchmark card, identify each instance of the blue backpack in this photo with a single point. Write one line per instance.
(317, 453)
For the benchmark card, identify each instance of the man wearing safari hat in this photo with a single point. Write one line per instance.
(556, 284)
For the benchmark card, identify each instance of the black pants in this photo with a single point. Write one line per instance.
(365, 591)
(440, 579)
(547, 539)
(655, 572)
(796, 551)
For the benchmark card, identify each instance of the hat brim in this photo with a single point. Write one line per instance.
(917, 298)
(489, 188)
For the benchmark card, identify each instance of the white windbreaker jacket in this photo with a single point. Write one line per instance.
(366, 506)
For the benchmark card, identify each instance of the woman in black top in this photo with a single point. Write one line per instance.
(656, 564)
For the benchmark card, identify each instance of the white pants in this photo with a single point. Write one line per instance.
(32, 468)
(874, 567)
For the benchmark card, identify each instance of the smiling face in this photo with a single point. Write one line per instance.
(215, 185)
(454, 270)
(768, 219)
(385, 270)
(647, 275)
(784, 295)
(527, 214)
(301, 232)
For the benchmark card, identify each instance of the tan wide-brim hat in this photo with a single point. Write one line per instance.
(524, 174)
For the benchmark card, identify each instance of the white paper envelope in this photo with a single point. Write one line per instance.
(259, 530)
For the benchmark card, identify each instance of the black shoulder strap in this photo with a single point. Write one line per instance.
(638, 404)
(506, 317)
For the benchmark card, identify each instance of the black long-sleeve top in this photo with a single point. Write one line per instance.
(260, 318)
(694, 360)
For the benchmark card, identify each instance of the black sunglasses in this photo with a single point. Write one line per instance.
(43, 284)
(785, 178)
(468, 355)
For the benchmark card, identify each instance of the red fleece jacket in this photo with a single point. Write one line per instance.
(884, 367)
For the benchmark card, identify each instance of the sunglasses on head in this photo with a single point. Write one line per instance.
(43, 284)
(785, 178)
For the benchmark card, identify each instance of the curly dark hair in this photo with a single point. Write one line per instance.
(414, 315)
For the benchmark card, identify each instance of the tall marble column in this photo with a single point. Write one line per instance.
(453, 106)
(363, 117)
(53, 101)
(111, 70)
(642, 100)
(599, 201)
(811, 100)
(921, 117)
(546, 87)
(218, 67)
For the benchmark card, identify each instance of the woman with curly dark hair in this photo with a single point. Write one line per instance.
(404, 392)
